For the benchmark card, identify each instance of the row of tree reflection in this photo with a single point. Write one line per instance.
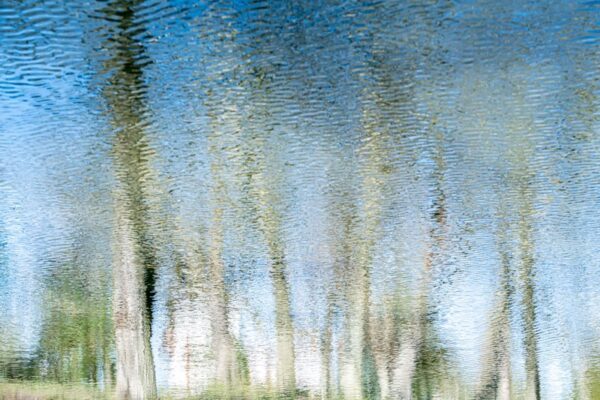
(371, 342)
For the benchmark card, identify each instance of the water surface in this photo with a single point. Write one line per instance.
(307, 199)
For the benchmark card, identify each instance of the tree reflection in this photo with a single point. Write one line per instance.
(135, 263)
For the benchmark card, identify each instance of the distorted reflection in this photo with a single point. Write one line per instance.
(308, 199)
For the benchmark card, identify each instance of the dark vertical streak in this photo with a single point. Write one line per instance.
(528, 276)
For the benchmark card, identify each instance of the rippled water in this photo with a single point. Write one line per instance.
(300, 199)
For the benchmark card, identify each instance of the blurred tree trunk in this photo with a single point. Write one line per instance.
(326, 350)
(416, 356)
(228, 372)
(532, 384)
(340, 223)
(134, 255)
(270, 225)
(135, 367)
(263, 188)
(496, 379)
